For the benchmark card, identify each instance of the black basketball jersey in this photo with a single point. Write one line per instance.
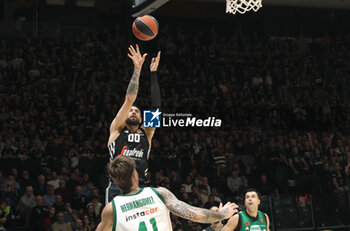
(134, 145)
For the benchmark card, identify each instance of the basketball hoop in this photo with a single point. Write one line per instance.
(242, 6)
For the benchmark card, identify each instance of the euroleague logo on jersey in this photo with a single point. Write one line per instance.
(141, 214)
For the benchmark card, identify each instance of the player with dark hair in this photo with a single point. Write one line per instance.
(249, 219)
(126, 137)
(148, 208)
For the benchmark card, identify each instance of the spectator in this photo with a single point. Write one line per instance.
(49, 198)
(59, 204)
(74, 180)
(79, 200)
(297, 165)
(176, 223)
(25, 180)
(205, 185)
(39, 212)
(60, 224)
(22, 152)
(264, 112)
(175, 183)
(194, 195)
(204, 190)
(88, 224)
(73, 156)
(86, 155)
(211, 202)
(79, 225)
(90, 212)
(5, 214)
(54, 181)
(234, 182)
(14, 173)
(266, 188)
(12, 179)
(96, 194)
(88, 188)
(245, 186)
(97, 207)
(3, 185)
(64, 191)
(8, 152)
(26, 204)
(63, 175)
(41, 187)
(196, 146)
(69, 214)
(339, 186)
(49, 219)
(188, 184)
(12, 195)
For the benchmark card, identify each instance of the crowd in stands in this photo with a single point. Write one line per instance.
(283, 102)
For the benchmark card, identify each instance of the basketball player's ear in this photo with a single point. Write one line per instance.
(135, 175)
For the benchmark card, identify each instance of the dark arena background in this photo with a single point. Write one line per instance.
(278, 79)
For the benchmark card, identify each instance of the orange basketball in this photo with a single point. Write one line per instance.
(145, 28)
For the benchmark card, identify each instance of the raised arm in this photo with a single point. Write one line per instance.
(309, 137)
(306, 166)
(336, 185)
(347, 169)
(329, 143)
(155, 92)
(181, 209)
(118, 122)
(291, 165)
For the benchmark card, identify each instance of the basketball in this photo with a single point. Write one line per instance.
(145, 28)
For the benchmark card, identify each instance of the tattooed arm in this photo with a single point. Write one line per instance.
(230, 225)
(181, 209)
(131, 93)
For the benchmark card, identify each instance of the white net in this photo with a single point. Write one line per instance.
(242, 6)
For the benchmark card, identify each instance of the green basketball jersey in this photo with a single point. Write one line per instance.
(143, 211)
(248, 223)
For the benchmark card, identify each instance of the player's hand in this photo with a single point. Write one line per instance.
(136, 57)
(155, 62)
(228, 209)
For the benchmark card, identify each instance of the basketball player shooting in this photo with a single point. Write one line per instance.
(126, 137)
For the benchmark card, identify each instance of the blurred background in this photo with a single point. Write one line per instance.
(278, 78)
